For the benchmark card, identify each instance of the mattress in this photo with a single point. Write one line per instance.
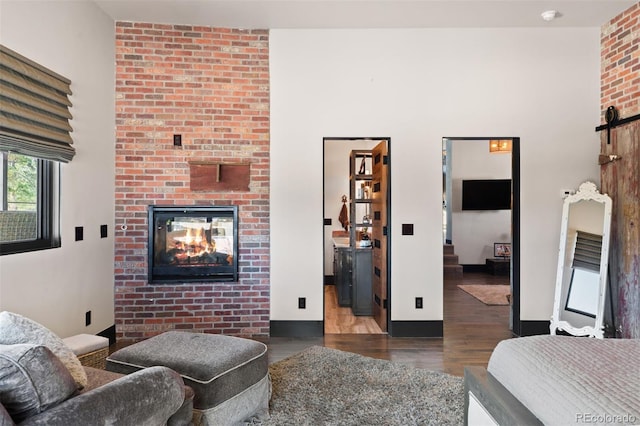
(572, 380)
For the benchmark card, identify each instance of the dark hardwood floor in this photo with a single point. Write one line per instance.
(471, 332)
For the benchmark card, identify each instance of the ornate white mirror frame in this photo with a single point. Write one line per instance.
(582, 285)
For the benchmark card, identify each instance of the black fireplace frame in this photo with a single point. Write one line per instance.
(159, 274)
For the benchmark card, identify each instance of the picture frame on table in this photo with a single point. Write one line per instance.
(502, 250)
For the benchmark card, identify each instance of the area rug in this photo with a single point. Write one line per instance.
(323, 386)
(488, 294)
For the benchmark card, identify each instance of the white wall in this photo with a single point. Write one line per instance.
(418, 86)
(415, 86)
(474, 232)
(56, 287)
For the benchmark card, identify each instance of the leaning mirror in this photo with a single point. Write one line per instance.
(581, 279)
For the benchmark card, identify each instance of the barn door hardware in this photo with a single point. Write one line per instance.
(606, 159)
(611, 117)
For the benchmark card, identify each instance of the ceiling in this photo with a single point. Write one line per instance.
(267, 14)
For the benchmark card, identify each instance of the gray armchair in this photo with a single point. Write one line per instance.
(153, 396)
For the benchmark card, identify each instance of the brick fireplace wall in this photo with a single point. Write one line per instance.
(211, 86)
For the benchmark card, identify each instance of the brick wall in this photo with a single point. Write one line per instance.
(210, 85)
(620, 67)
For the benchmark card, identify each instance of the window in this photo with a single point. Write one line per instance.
(29, 209)
(34, 139)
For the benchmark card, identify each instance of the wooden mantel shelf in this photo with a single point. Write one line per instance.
(211, 176)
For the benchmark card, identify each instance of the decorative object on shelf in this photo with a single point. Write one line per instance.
(365, 240)
(366, 190)
(363, 166)
(501, 249)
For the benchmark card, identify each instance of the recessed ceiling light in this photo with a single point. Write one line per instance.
(549, 15)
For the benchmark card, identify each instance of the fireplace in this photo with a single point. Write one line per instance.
(193, 243)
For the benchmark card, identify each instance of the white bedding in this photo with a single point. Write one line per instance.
(572, 380)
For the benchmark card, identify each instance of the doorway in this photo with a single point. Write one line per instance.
(356, 209)
(500, 230)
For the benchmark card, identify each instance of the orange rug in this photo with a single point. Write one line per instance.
(488, 294)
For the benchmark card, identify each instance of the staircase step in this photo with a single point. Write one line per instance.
(452, 271)
(450, 259)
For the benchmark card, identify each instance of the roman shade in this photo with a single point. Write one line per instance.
(34, 109)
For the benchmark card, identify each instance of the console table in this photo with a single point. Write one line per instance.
(498, 266)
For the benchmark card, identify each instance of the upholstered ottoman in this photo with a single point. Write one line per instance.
(229, 375)
(91, 350)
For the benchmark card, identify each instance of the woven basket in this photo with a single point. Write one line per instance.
(95, 359)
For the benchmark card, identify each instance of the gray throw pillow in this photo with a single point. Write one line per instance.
(15, 328)
(32, 380)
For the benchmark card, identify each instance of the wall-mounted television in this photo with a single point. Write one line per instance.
(486, 194)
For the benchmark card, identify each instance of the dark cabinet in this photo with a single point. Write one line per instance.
(362, 294)
(352, 275)
(343, 273)
(498, 266)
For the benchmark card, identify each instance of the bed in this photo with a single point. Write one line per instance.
(556, 380)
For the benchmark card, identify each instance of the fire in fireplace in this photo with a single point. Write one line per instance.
(193, 243)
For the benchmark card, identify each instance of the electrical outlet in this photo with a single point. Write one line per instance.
(103, 231)
(418, 302)
(177, 140)
(567, 192)
(87, 318)
(302, 303)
